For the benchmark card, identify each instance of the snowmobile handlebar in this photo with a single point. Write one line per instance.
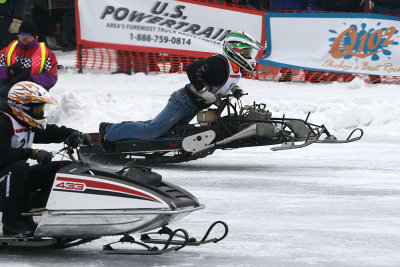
(226, 96)
(69, 151)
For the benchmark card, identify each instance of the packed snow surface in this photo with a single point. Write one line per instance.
(324, 205)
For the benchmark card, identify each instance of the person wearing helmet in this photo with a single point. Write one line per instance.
(26, 59)
(22, 123)
(210, 77)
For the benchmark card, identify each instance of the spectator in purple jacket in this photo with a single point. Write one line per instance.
(25, 59)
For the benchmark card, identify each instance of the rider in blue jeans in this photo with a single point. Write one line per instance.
(216, 75)
(180, 108)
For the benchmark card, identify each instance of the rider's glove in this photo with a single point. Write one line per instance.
(237, 92)
(77, 138)
(23, 75)
(41, 156)
(207, 96)
(15, 69)
(14, 26)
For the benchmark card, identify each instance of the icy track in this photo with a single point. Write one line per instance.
(324, 205)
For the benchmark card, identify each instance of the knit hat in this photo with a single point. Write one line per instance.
(28, 26)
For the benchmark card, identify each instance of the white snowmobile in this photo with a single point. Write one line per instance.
(88, 202)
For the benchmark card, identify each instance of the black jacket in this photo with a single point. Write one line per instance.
(52, 134)
(212, 71)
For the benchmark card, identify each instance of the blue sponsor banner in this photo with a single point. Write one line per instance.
(360, 43)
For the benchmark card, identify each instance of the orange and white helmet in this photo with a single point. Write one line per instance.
(27, 100)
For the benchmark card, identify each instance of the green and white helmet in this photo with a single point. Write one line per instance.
(242, 49)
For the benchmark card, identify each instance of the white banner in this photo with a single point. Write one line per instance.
(163, 24)
(338, 42)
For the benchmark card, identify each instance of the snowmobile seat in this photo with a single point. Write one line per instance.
(159, 144)
(143, 175)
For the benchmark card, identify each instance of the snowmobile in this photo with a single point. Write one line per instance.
(231, 125)
(89, 202)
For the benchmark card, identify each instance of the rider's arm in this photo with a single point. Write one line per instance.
(209, 71)
(52, 134)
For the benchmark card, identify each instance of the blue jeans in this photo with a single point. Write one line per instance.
(180, 108)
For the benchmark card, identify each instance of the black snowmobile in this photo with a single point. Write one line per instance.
(230, 125)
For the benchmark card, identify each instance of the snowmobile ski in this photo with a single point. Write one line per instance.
(330, 139)
(177, 239)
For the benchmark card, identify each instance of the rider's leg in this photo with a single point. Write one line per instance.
(12, 192)
(40, 181)
(180, 107)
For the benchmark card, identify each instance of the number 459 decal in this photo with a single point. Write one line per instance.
(71, 186)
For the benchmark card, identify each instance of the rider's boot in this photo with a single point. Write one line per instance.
(18, 229)
(105, 145)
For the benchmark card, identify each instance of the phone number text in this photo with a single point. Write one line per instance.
(160, 39)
